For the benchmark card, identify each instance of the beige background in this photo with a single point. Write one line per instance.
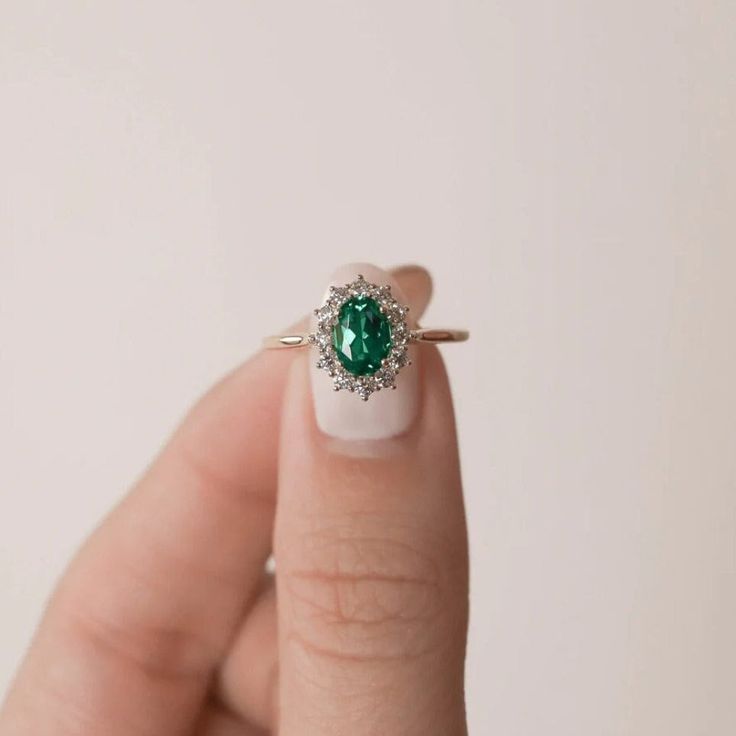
(178, 178)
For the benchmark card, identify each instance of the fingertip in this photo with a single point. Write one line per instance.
(416, 283)
(385, 413)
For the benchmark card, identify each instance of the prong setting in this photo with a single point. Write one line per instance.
(327, 316)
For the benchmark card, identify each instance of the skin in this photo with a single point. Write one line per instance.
(166, 621)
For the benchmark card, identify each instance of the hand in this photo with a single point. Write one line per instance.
(166, 622)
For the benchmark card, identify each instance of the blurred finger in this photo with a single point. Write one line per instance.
(136, 628)
(217, 721)
(247, 683)
(415, 284)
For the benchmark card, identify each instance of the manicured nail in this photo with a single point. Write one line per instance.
(387, 413)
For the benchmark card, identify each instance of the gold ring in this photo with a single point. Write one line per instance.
(362, 337)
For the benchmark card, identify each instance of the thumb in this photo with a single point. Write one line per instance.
(371, 557)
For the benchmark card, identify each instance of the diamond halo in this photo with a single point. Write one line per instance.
(397, 358)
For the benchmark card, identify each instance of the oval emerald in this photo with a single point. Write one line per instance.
(361, 336)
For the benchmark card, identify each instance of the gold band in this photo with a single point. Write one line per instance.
(427, 335)
(437, 335)
(298, 340)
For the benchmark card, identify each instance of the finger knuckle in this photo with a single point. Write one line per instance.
(380, 594)
(135, 637)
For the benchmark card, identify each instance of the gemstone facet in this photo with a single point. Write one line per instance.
(361, 337)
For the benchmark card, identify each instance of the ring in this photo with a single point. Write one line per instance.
(362, 337)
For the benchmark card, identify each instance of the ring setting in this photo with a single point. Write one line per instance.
(362, 336)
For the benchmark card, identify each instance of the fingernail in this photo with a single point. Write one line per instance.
(387, 413)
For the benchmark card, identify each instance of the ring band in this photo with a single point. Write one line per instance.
(362, 336)
(433, 335)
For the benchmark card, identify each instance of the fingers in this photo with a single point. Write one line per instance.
(217, 721)
(371, 560)
(248, 680)
(143, 616)
(247, 683)
(416, 285)
(133, 634)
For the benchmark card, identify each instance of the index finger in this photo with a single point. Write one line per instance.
(143, 615)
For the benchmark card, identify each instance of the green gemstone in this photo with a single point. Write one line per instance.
(362, 336)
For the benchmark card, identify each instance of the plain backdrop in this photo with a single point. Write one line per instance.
(179, 178)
